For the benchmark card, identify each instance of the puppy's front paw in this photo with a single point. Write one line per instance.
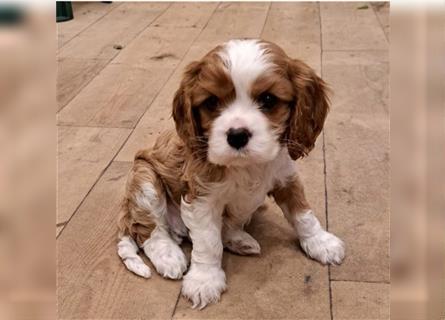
(324, 247)
(203, 284)
(167, 257)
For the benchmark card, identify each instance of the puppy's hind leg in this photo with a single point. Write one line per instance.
(162, 250)
(142, 223)
(165, 254)
(240, 242)
(235, 238)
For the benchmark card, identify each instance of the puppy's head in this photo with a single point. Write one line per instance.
(245, 100)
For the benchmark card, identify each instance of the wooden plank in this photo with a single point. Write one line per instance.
(295, 27)
(357, 158)
(119, 27)
(158, 47)
(73, 74)
(83, 153)
(92, 281)
(116, 98)
(358, 300)
(167, 41)
(186, 15)
(144, 137)
(234, 20)
(154, 121)
(85, 14)
(121, 93)
(350, 26)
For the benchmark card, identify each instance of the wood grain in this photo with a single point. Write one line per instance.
(83, 154)
(85, 14)
(82, 58)
(351, 26)
(355, 300)
(119, 27)
(73, 74)
(296, 29)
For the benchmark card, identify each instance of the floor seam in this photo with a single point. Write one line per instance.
(90, 126)
(265, 20)
(112, 58)
(379, 22)
(361, 281)
(91, 188)
(355, 50)
(325, 167)
(176, 304)
(87, 83)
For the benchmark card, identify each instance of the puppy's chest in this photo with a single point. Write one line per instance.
(245, 190)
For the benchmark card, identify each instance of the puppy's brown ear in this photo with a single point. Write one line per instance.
(309, 109)
(186, 119)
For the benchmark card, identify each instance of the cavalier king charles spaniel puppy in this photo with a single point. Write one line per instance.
(243, 114)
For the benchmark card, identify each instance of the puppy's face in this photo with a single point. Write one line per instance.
(245, 100)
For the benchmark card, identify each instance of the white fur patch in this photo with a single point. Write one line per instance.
(263, 145)
(127, 250)
(149, 199)
(245, 61)
(318, 243)
(165, 254)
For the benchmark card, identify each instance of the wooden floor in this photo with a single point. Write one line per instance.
(119, 65)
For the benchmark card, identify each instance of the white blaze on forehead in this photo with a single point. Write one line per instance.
(245, 61)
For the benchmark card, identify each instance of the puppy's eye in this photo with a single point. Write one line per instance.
(211, 103)
(267, 101)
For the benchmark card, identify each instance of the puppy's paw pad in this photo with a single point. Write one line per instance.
(203, 285)
(324, 247)
(242, 243)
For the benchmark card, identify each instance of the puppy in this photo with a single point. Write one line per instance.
(243, 113)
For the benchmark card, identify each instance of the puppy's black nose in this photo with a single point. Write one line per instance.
(238, 138)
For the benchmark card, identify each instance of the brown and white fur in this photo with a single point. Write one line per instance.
(243, 113)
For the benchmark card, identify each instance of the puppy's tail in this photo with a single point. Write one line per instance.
(127, 248)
